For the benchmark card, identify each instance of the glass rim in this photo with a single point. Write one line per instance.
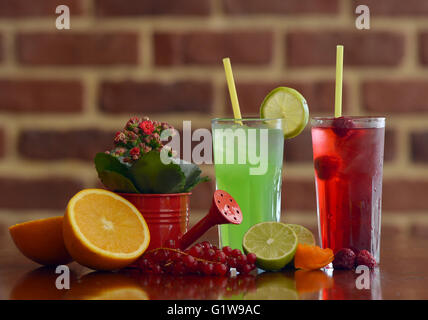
(360, 121)
(246, 119)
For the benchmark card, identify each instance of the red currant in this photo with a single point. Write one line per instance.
(251, 258)
(236, 252)
(227, 250)
(220, 269)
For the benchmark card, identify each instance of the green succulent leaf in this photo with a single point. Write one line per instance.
(114, 174)
(192, 174)
(104, 161)
(117, 182)
(153, 176)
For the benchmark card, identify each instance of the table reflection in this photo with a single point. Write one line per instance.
(134, 285)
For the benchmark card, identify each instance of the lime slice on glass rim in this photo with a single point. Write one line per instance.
(304, 236)
(273, 243)
(288, 104)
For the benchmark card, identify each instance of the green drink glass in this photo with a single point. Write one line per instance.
(248, 158)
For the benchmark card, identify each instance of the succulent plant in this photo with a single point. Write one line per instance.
(134, 164)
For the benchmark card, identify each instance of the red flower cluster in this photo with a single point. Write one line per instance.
(139, 137)
(147, 127)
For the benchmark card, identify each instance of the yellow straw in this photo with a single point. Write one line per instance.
(232, 89)
(339, 81)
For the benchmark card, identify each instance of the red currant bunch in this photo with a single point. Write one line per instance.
(202, 258)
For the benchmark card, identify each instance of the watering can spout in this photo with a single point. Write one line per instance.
(224, 209)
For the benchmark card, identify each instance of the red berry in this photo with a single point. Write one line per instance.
(326, 166)
(209, 254)
(246, 269)
(232, 262)
(366, 259)
(227, 250)
(207, 268)
(251, 258)
(195, 251)
(236, 252)
(220, 256)
(189, 261)
(205, 244)
(341, 126)
(241, 260)
(344, 259)
(220, 269)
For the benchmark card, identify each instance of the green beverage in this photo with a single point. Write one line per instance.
(248, 161)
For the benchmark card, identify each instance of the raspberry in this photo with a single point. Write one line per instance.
(366, 259)
(326, 166)
(344, 259)
(342, 125)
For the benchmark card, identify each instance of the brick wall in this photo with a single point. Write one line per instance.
(64, 93)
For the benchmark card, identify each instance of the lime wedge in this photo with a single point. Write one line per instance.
(288, 104)
(304, 236)
(273, 243)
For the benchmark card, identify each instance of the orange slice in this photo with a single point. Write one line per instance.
(310, 257)
(41, 241)
(104, 231)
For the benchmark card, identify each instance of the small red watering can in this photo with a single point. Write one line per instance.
(167, 216)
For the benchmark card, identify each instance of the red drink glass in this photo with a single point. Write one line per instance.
(348, 161)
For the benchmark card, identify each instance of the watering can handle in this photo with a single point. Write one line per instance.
(224, 209)
(196, 232)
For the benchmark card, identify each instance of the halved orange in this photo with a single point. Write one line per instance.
(104, 231)
(41, 241)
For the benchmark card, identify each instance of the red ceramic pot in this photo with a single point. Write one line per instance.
(167, 215)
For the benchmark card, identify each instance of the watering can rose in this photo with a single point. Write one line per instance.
(134, 164)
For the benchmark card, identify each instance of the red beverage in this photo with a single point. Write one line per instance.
(348, 161)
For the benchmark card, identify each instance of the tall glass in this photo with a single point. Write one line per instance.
(248, 157)
(348, 161)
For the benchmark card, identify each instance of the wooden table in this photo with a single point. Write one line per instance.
(403, 274)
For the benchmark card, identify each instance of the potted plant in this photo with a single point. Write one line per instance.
(134, 169)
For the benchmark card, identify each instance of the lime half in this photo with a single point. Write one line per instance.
(304, 236)
(288, 104)
(273, 243)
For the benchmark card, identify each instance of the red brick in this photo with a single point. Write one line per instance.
(394, 7)
(41, 96)
(277, 7)
(313, 48)
(298, 195)
(40, 193)
(401, 96)
(318, 94)
(299, 149)
(419, 146)
(390, 148)
(423, 47)
(65, 48)
(25, 8)
(402, 195)
(1, 48)
(71, 144)
(208, 48)
(113, 8)
(156, 97)
(419, 230)
(2, 143)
